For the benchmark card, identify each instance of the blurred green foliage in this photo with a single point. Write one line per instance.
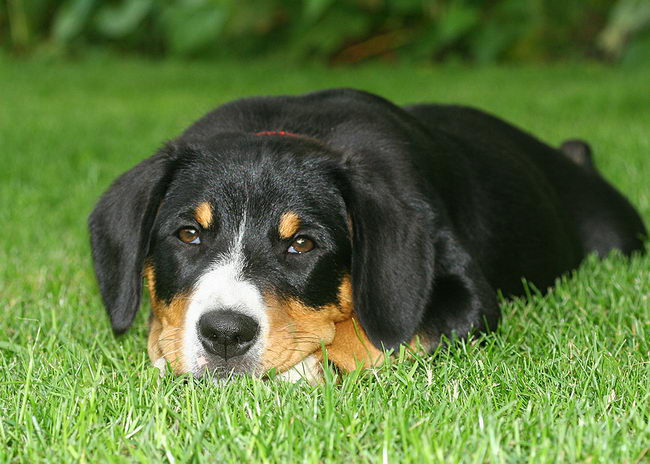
(340, 32)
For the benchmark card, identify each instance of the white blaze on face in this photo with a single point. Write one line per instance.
(221, 288)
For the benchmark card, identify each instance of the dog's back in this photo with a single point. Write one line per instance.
(596, 217)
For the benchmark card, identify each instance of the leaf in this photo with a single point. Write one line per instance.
(14, 348)
(328, 34)
(626, 18)
(638, 50)
(492, 40)
(72, 19)
(192, 26)
(120, 20)
(313, 10)
(457, 20)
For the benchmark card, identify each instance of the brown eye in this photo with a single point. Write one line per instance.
(301, 245)
(189, 235)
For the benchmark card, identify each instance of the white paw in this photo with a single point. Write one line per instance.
(308, 369)
(161, 365)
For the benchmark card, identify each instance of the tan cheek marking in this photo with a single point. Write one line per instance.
(203, 214)
(297, 330)
(289, 225)
(351, 344)
(166, 326)
(153, 349)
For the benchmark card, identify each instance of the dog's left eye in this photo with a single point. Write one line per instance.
(189, 235)
(301, 245)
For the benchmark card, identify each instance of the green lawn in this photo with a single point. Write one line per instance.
(566, 378)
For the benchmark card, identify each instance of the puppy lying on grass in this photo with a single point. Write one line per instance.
(273, 226)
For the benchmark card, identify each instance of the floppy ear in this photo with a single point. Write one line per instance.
(392, 258)
(120, 227)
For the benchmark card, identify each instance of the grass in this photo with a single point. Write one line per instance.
(566, 378)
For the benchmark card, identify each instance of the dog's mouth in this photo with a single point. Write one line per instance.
(206, 365)
(309, 369)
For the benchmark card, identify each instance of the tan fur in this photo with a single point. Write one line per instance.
(166, 326)
(421, 344)
(203, 214)
(351, 347)
(289, 225)
(297, 330)
(153, 348)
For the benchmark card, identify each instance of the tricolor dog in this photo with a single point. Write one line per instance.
(276, 225)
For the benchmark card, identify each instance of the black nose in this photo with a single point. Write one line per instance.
(227, 333)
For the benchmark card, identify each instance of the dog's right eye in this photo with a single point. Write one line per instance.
(301, 245)
(189, 235)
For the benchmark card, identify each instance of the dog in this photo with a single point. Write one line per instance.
(276, 226)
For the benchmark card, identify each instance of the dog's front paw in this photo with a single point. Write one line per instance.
(161, 365)
(309, 369)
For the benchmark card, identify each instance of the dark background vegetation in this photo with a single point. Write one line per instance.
(333, 31)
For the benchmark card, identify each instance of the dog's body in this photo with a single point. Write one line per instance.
(273, 225)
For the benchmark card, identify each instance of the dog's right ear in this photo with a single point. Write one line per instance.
(392, 254)
(120, 227)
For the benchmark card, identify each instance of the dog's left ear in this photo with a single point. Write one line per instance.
(120, 227)
(392, 257)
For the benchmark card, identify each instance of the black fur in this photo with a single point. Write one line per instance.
(120, 227)
(447, 205)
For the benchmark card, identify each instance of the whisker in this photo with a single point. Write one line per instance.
(307, 341)
(164, 346)
(167, 353)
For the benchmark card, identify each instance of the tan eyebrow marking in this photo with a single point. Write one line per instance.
(289, 224)
(203, 214)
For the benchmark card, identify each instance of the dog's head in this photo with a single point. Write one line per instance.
(253, 248)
